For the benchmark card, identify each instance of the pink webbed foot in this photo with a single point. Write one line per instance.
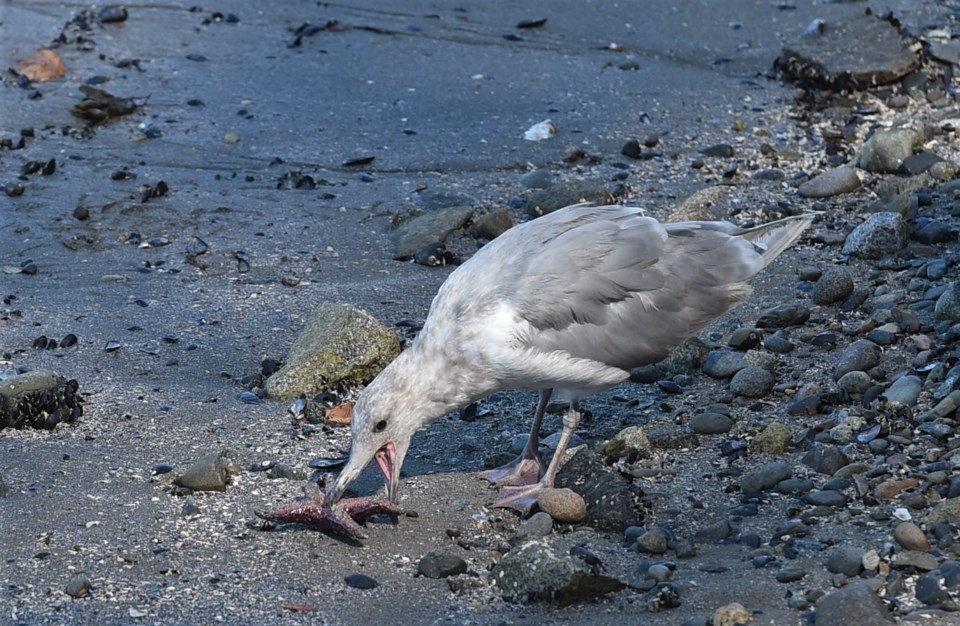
(521, 471)
(520, 498)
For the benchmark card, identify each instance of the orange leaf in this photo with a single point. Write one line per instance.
(339, 415)
(47, 65)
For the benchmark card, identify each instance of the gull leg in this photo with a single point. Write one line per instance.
(523, 498)
(528, 467)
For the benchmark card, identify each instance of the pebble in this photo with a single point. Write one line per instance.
(835, 285)
(654, 541)
(723, 364)
(710, 424)
(360, 581)
(833, 182)
(765, 478)
(948, 304)
(905, 390)
(784, 315)
(940, 586)
(537, 179)
(882, 234)
(917, 560)
(731, 615)
(540, 524)
(744, 339)
(723, 150)
(791, 574)
(837, 608)
(910, 537)
(834, 499)
(845, 560)
(825, 459)
(774, 439)
(861, 355)
(78, 587)
(494, 224)
(886, 150)
(778, 343)
(208, 473)
(441, 565)
(430, 228)
(752, 382)
(564, 505)
(855, 383)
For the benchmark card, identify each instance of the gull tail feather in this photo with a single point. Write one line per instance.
(773, 238)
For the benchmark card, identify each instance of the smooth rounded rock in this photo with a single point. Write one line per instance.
(441, 565)
(905, 390)
(910, 537)
(654, 541)
(710, 424)
(843, 179)
(564, 505)
(845, 560)
(835, 285)
(861, 355)
(886, 150)
(752, 382)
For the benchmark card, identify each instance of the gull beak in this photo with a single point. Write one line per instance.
(386, 458)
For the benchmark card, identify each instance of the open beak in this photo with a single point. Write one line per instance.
(387, 459)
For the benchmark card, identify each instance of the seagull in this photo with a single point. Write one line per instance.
(566, 304)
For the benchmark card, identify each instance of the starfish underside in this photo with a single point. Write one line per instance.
(343, 518)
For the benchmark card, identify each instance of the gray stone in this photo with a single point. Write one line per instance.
(948, 304)
(886, 150)
(882, 234)
(434, 198)
(905, 390)
(723, 363)
(860, 49)
(494, 224)
(784, 315)
(774, 439)
(854, 603)
(535, 572)
(845, 560)
(835, 285)
(860, 356)
(752, 382)
(765, 478)
(825, 459)
(833, 182)
(564, 194)
(744, 339)
(834, 499)
(916, 560)
(607, 494)
(78, 587)
(855, 383)
(441, 565)
(208, 473)
(710, 424)
(791, 574)
(429, 228)
(537, 179)
(654, 541)
(340, 344)
(947, 510)
(564, 505)
(910, 537)
(718, 531)
(539, 525)
(686, 358)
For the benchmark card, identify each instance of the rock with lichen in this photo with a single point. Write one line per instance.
(340, 345)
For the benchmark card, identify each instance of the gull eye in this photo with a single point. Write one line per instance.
(380, 426)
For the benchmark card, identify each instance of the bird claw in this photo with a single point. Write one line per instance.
(520, 471)
(343, 518)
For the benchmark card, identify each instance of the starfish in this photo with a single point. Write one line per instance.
(343, 518)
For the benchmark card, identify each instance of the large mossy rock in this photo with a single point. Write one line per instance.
(340, 345)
